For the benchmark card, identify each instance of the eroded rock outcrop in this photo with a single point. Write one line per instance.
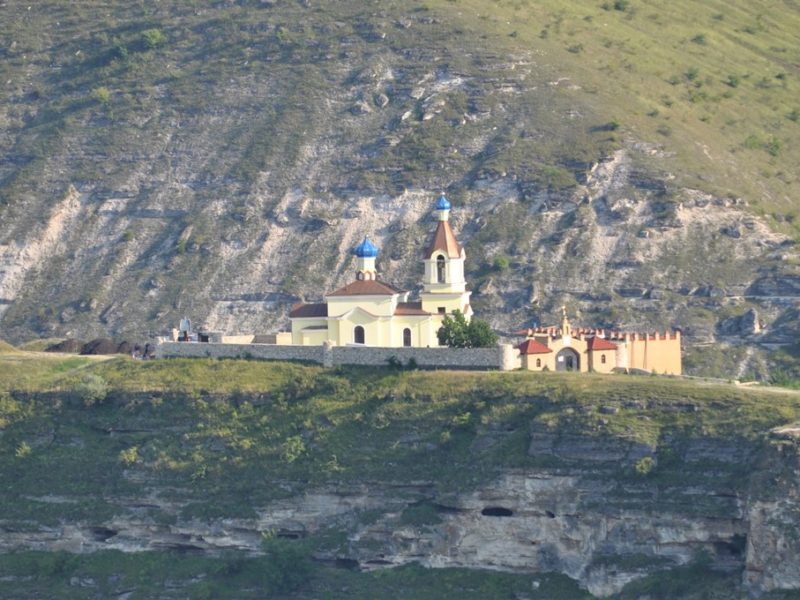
(590, 516)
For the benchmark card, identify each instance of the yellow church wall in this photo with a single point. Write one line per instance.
(313, 337)
(380, 306)
(334, 334)
(432, 302)
(374, 329)
(377, 332)
(423, 331)
(299, 325)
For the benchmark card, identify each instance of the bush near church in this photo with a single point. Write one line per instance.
(456, 332)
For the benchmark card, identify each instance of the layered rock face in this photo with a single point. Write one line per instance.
(595, 515)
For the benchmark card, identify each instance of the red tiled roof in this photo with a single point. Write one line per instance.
(533, 347)
(598, 343)
(366, 287)
(410, 308)
(302, 311)
(444, 240)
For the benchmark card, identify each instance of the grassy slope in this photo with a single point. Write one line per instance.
(6, 348)
(715, 82)
(221, 437)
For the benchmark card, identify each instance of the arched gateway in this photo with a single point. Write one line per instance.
(568, 360)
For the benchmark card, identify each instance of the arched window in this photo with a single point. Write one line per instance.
(406, 337)
(358, 334)
(602, 359)
(440, 269)
(538, 362)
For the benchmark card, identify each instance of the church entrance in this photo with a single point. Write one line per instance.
(568, 360)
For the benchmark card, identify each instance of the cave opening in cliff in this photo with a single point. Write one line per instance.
(497, 511)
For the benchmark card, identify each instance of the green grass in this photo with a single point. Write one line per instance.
(40, 344)
(231, 420)
(23, 371)
(6, 348)
(717, 75)
(644, 68)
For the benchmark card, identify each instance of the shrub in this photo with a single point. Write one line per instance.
(129, 456)
(101, 94)
(621, 5)
(23, 450)
(733, 81)
(287, 565)
(773, 146)
(644, 466)
(700, 38)
(752, 142)
(456, 332)
(92, 389)
(152, 38)
(500, 263)
(420, 515)
(394, 363)
(120, 51)
(293, 448)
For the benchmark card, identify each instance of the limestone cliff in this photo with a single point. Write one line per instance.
(614, 487)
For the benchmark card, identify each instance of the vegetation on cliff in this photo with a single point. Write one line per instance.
(217, 439)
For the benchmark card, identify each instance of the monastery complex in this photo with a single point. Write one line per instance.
(368, 313)
(373, 313)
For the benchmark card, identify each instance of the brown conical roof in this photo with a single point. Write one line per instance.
(444, 240)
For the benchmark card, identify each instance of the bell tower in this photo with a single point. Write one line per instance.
(443, 284)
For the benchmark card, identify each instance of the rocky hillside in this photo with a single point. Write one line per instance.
(247, 478)
(632, 160)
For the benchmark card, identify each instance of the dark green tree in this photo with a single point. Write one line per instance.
(456, 332)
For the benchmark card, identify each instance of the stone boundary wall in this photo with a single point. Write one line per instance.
(504, 358)
(445, 358)
(315, 354)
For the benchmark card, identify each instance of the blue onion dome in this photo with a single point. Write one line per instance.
(366, 249)
(443, 203)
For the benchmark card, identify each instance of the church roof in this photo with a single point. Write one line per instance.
(442, 203)
(444, 240)
(366, 249)
(533, 347)
(301, 311)
(410, 309)
(598, 343)
(366, 287)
